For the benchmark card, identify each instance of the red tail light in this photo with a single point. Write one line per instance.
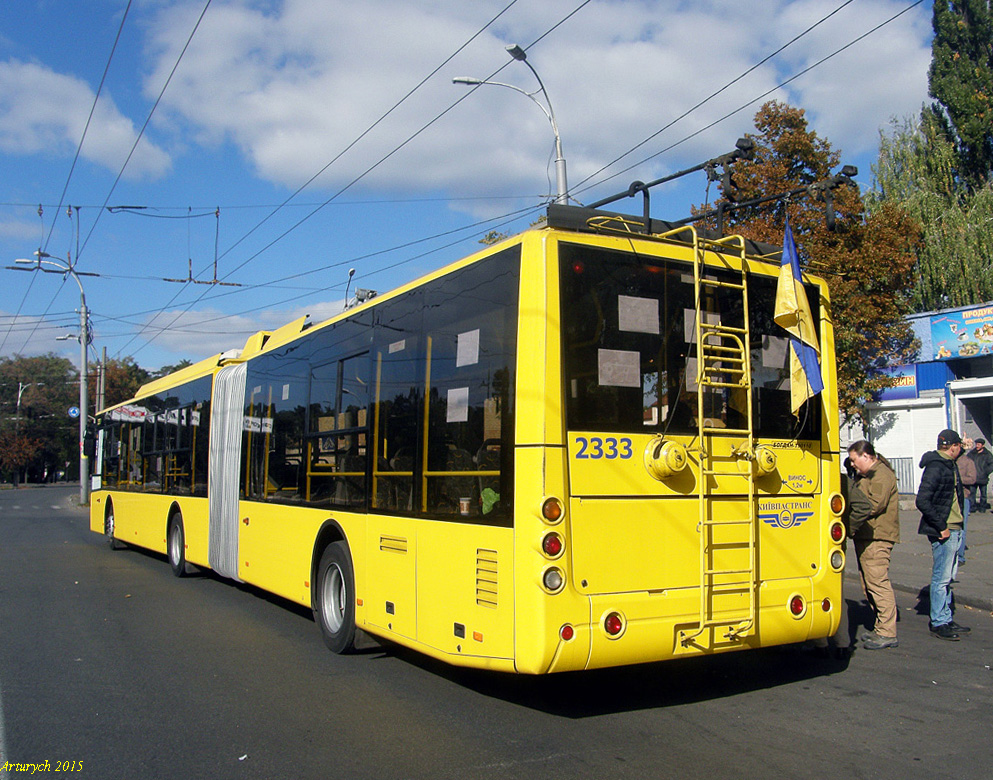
(796, 605)
(567, 632)
(837, 532)
(551, 545)
(613, 624)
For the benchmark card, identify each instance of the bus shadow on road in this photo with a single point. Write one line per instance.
(645, 686)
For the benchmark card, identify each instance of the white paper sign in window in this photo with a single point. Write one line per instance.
(774, 351)
(398, 346)
(468, 349)
(286, 392)
(458, 404)
(690, 375)
(689, 323)
(619, 368)
(637, 315)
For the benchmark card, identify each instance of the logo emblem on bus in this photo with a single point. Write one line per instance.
(786, 518)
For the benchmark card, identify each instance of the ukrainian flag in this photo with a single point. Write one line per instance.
(793, 314)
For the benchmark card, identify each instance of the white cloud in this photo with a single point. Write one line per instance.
(44, 112)
(291, 84)
(19, 229)
(205, 332)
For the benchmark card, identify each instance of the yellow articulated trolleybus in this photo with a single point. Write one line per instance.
(571, 450)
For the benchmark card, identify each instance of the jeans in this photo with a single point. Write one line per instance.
(981, 497)
(943, 552)
(960, 555)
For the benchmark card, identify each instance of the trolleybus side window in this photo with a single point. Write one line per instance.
(272, 443)
(399, 369)
(470, 327)
(337, 446)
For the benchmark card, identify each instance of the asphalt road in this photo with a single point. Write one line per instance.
(108, 660)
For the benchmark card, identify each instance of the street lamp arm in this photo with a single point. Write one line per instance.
(469, 81)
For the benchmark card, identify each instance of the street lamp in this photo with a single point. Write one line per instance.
(21, 387)
(65, 268)
(520, 55)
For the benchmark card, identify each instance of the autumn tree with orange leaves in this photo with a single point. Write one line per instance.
(867, 260)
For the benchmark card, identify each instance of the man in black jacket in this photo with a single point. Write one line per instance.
(984, 467)
(940, 498)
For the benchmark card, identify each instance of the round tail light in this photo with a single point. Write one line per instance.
(552, 545)
(837, 532)
(567, 632)
(837, 504)
(796, 605)
(826, 605)
(613, 624)
(553, 580)
(551, 510)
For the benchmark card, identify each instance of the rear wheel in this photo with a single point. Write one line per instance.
(176, 544)
(334, 599)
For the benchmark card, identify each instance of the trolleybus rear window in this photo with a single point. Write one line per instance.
(629, 342)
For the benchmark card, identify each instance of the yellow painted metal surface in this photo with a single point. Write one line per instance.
(477, 595)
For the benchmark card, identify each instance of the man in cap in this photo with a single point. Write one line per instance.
(983, 459)
(940, 498)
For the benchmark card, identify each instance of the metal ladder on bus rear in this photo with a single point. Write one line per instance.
(728, 564)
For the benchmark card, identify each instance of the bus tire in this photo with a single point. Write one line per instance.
(334, 600)
(176, 546)
(108, 528)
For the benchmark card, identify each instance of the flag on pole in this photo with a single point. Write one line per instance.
(793, 314)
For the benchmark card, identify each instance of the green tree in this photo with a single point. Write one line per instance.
(961, 81)
(169, 369)
(48, 386)
(867, 260)
(17, 452)
(122, 379)
(917, 171)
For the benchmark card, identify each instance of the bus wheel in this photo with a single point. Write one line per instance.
(177, 546)
(108, 528)
(334, 602)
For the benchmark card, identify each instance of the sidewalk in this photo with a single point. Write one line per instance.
(910, 566)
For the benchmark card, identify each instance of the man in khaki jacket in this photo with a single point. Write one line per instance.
(874, 525)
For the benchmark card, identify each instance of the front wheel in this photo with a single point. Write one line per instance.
(108, 528)
(334, 600)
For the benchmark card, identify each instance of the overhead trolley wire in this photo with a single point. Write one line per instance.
(86, 127)
(65, 188)
(141, 132)
(707, 99)
(368, 170)
(130, 154)
(371, 127)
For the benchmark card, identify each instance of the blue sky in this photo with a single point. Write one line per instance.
(410, 169)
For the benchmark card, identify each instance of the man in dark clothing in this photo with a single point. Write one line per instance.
(940, 498)
(983, 459)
